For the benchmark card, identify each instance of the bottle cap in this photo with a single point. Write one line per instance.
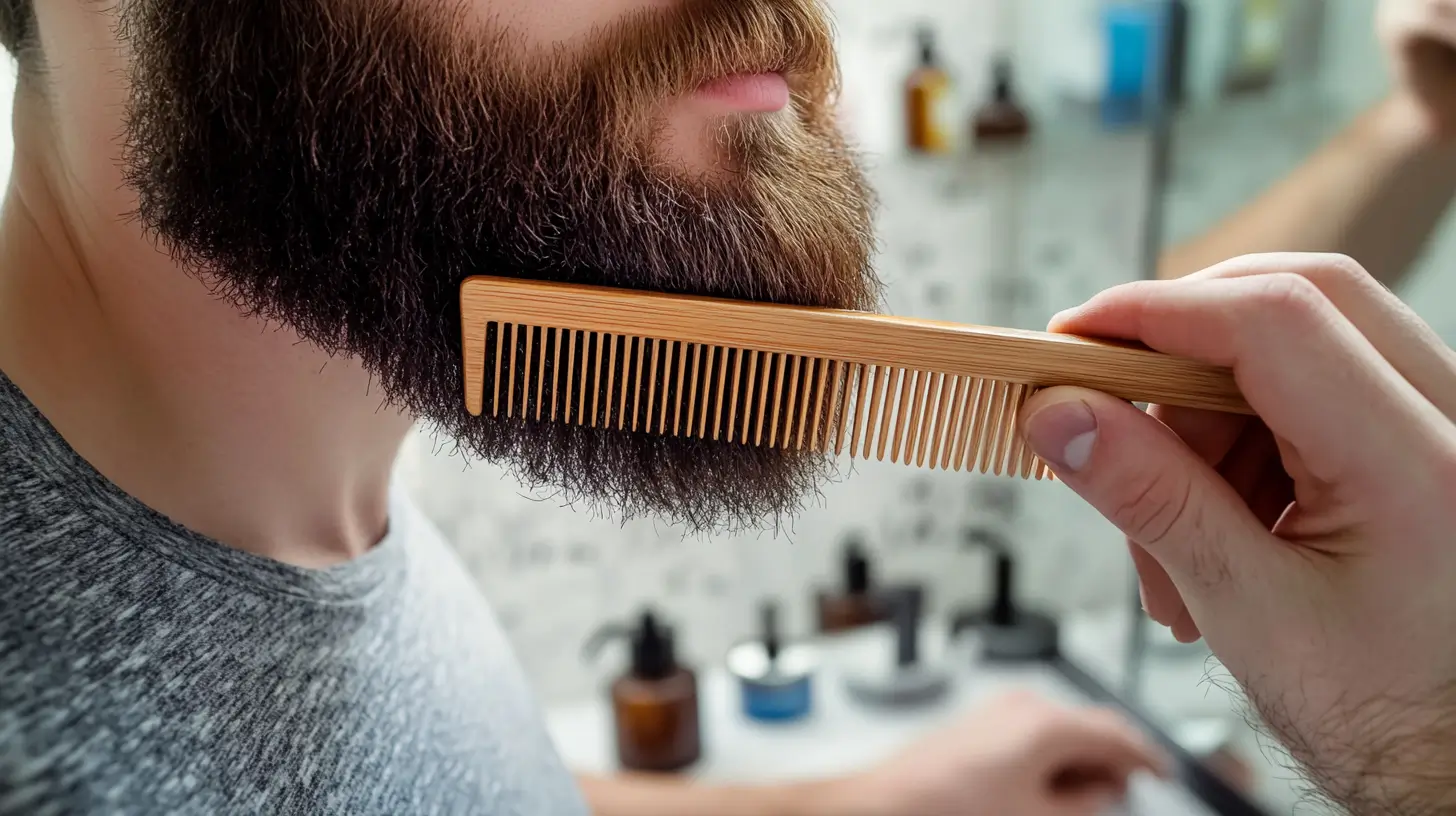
(654, 651)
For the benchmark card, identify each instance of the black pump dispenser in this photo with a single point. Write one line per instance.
(654, 647)
(926, 36)
(857, 576)
(1010, 632)
(1003, 86)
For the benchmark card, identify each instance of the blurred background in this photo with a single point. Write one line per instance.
(1076, 183)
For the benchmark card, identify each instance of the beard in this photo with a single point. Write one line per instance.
(339, 167)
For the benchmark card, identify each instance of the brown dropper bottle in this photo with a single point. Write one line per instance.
(1002, 119)
(655, 702)
(855, 604)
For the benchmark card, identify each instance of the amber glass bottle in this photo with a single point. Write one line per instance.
(928, 100)
(655, 702)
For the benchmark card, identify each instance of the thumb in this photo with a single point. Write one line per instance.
(1158, 491)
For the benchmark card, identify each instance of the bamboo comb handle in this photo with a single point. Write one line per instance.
(1028, 359)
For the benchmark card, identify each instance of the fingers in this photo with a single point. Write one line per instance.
(1162, 496)
(1307, 371)
(1097, 745)
(1396, 332)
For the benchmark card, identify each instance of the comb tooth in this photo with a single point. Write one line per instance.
(994, 410)
(722, 394)
(556, 375)
(945, 437)
(586, 346)
(500, 352)
(1004, 426)
(878, 380)
(833, 409)
(530, 332)
(652, 386)
(790, 404)
(541, 371)
(474, 333)
(920, 420)
(907, 391)
(820, 408)
(707, 395)
(1042, 471)
(693, 390)
(778, 381)
(1028, 456)
(1013, 427)
(975, 425)
(572, 383)
(847, 388)
(942, 420)
(935, 397)
(511, 376)
(803, 380)
(611, 380)
(861, 405)
(965, 396)
(635, 395)
(738, 363)
(677, 402)
(892, 389)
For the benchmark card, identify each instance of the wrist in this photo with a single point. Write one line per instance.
(1402, 123)
(833, 797)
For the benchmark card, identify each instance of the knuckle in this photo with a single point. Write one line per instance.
(1286, 297)
(1156, 505)
(1336, 270)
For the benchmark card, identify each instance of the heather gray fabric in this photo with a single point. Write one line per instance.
(145, 669)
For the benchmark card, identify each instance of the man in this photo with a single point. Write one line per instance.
(1378, 190)
(228, 263)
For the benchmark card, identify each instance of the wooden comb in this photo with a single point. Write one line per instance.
(925, 393)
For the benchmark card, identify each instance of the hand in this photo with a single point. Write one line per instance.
(1420, 37)
(1016, 755)
(1313, 546)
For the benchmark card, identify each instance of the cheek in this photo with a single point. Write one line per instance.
(547, 22)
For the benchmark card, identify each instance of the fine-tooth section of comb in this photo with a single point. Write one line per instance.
(921, 393)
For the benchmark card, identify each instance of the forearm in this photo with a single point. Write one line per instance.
(649, 796)
(1376, 192)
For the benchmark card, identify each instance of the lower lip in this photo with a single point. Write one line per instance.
(748, 93)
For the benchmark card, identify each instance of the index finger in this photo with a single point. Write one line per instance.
(1302, 366)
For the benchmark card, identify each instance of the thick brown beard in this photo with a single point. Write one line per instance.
(339, 167)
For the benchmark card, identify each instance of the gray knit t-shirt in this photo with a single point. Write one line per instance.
(145, 669)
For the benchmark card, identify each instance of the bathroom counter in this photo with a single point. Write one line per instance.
(842, 737)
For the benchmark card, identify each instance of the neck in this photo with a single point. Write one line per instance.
(229, 426)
